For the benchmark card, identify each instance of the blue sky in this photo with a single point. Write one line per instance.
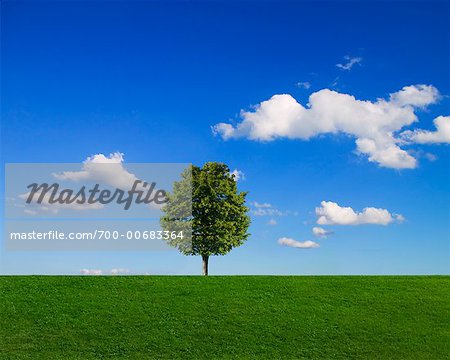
(151, 79)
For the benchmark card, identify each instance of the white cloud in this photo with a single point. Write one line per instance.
(308, 244)
(272, 222)
(103, 169)
(263, 205)
(91, 272)
(440, 135)
(303, 84)
(238, 174)
(268, 212)
(399, 218)
(119, 271)
(30, 212)
(351, 61)
(266, 209)
(330, 213)
(227, 131)
(373, 123)
(321, 232)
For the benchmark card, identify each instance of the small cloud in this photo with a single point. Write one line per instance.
(268, 212)
(421, 154)
(330, 213)
(266, 209)
(303, 85)
(264, 205)
(321, 232)
(399, 218)
(119, 271)
(91, 272)
(308, 244)
(335, 82)
(30, 212)
(238, 174)
(272, 222)
(351, 61)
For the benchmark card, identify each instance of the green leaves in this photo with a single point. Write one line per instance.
(219, 220)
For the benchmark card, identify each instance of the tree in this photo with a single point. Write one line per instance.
(218, 221)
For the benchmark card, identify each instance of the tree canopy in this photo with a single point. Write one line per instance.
(218, 220)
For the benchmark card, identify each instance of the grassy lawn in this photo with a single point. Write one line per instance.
(224, 317)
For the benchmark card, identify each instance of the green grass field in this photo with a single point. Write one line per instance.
(142, 317)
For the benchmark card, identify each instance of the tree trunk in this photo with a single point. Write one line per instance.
(205, 264)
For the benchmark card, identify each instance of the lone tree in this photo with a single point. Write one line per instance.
(218, 221)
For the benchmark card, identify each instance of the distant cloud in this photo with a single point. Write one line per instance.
(238, 174)
(91, 272)
(373, 124)
(266, 209)
(399, 218)
(272, 222)
(303, 84)
(421, 154)
(30, 212)
(119, 271)
(350, 62)
(330, 213)
(264, 205)
(268, 212)
(308, 244)
(335, 82)
(321, 232)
